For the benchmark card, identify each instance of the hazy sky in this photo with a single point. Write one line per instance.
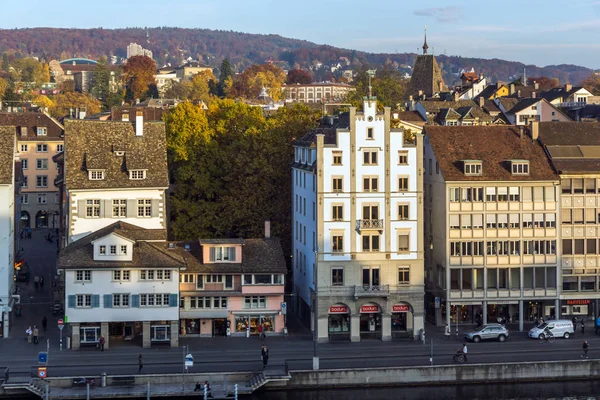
(540, 32)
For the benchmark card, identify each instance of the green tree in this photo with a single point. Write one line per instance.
(388, 86)
(178, 90)
(225, 78)
(5, 63)
(64, 103)
(100, 87)
(187, 128)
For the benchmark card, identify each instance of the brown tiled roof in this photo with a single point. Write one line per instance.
(150, 113)
(426, 76)
(466, 109)
(508, 102)
(569, 133)
(150, 250)
(494, 146)
(7, 155)
(409, 116)
(584, 166)
(343, 122)
(491, 107)
(32, 120)
(470, 76)
(92, 145)
(526, 91)
(258, 256)
(488, 91)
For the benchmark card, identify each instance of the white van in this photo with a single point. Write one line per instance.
(559, 328)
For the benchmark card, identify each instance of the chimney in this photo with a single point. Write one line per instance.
(568, 87)
(536, 85)
(533, 95)
(456, 95)
(139, 123)
(535, 130)
(521, 128)
(512, 89)
(481, 101)
(82, 114)
(267, 229)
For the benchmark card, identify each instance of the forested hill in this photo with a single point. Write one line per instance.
(176, 44)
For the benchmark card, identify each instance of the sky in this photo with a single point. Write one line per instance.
(540, 32)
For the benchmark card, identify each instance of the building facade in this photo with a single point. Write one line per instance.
(121, 283)
(39, 138)
(316, 92)
(357, 245)
(491, 225)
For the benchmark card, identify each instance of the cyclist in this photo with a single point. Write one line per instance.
(547, 333)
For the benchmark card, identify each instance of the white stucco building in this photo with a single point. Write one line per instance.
(357, 242)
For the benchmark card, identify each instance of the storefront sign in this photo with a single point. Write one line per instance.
(578, 302)
(400, 308)
(338, 310)
(369, 308)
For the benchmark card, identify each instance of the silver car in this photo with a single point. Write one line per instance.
(488, 332)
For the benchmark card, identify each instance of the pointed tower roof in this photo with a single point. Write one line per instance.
(427, 75)
(425, 47)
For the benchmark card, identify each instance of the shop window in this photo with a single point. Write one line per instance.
(339, 323)
(160, 333)
(89, 334)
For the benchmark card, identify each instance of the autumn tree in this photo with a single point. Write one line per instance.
(298, 76)
(178, 90)
(67, 86)
(44, 102)
(592, 83)
(249, 83)
(200, 88)
(225, 78)
(65, 103)
(3, 87)
(138, 74)
(30, 70)
(187, 128)
(544, 82)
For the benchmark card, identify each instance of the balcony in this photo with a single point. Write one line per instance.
(369, 224)
(572, 104)
(371, 291)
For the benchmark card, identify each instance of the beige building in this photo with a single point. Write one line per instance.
(316, 92)
(491, 226)
(39, 138)
(573, 151)
(187, 71)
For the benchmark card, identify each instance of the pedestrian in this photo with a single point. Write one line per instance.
(44, 323)
(585, 349)
(574, 320)
(207, 386)
(447, 332)
(140, 364)
(36, 281)
(582, 327)
(264, 354)
(36, 332)
(29, 332)
(536, 322)
(101, 343)
(598, 323)
(260, 331)
(465, 350)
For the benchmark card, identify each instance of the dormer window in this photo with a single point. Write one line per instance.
(96, 174)
(102, 250)
(42, 131)
(520, 167)
(222, 253)
(473, 168)
(137, 174)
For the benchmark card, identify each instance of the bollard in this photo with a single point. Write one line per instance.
(103, 379)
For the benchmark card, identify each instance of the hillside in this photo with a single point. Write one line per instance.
(175, 44)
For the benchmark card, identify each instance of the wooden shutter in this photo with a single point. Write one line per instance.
(213, 254)
(95, 300)
(155, 203)
(81, 208)
(135, 300)
(131, 208)
(231, 253)
(71, 300)
(108, 301)
(173, 300)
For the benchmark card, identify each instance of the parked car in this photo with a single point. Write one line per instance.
(488, 332)
(559, 328)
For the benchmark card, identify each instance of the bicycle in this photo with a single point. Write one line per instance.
(543, 338)
(459, 358)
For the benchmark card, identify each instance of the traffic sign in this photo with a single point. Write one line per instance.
(61, 324)
(42, 372)
(42, 357)
(189, 361)
(284, 308)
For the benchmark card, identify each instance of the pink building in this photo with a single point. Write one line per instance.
(230, 287)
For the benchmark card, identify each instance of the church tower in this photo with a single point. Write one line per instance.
(427, 76)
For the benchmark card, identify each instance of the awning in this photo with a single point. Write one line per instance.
(255, 312)
(204, 314)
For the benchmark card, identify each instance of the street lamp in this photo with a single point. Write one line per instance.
(316, 316)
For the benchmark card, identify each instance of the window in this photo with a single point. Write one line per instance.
(42, 148)
(513, 194)
(119, 208)
(60, 148)
(403, 212)
(454, 221)
(154, 300)
(84, 300)
(24, 163)
(403, 158)
(403, 184)
(490, 194)
(41, 181)
(337, 276)
(370, 276)
(83, 276)
(255, 302)
(96, 174)
(24, 199)
(41, 199)
(123, 249)
(222, 253)
(370, 157)
(337, 243)
(137, 174)
(590, 185)
(24, 148)
(150, 275)
(520, 167)
(41, 163)
(403, 275)
(337, 185)
(454, 195)
(370, 184)
(102, 250)
(542, 247)
(337, 158)
(42, 131)
(472, 168)
(370, 242)
(403, 242)
(92, 208)
(113, 249)
(119, 275)
(187, 278)
(120, 300)
(144, 208)
(565, 185)
(370, 133)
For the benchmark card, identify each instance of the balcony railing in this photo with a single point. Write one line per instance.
(366, 224)
(374, 290)
(572, 104)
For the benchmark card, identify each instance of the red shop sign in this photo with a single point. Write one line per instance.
(400, 308)
(578, 302)
(369, 308)
(338, 310)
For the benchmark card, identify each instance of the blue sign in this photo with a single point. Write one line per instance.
(189, 361)
(42, 357)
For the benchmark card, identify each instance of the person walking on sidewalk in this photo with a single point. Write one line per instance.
(585, 349)
(582, 327)
(260, 331)
(264, 354)
(41, 282)
(44, 323)
(140, 364)
(29, 332)
(465, 351)
(36, 333)
(101, 341)
(447, 332)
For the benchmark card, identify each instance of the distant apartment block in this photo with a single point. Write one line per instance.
(135, 49)
(316, 92)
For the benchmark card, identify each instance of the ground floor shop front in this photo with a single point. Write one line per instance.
(232, 323)
(150, 332)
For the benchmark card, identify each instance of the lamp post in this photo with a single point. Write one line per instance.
(316, 316)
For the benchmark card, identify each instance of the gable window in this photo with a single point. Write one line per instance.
(42, 131)
(520, 167)
(96, 174)
(337, 185)
(41, 181)
(370, 184)
(144, 208)
(337, 158)
(41, 163)
(370, 133)
(473, 168)
(370, 157)
(137, 174)
(123, 249)
(42, 148)
(403, 184)
(403, 158)
(92, 208)
(83, 276)
(119, 208)
(113, 249)
(338, 212)
(102, 250)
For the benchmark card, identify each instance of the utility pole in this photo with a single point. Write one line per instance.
(183, 370)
